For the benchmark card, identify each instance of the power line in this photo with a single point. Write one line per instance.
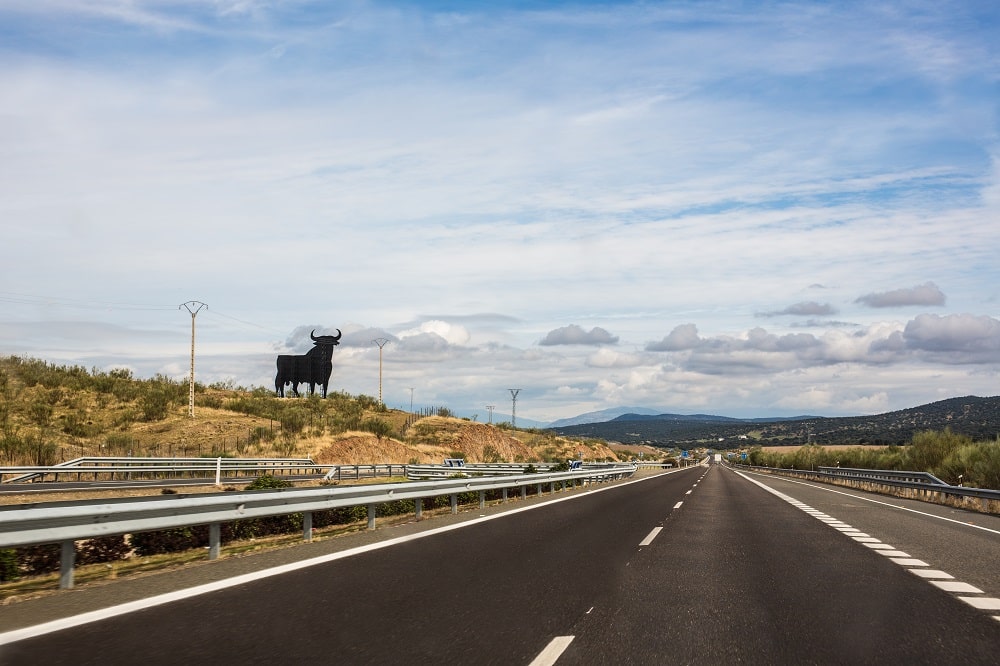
(34, 299)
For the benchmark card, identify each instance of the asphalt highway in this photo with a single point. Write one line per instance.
(698, 566)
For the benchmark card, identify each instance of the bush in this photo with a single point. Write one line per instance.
(8, 565)
(38, 560)
(103, 549)
(169, 541)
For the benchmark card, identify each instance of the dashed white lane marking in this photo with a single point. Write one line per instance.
(956, 586)
(939, 579)
(678, 505)
(649, 537)
(930, 573)
(552, 651)
(983, 603)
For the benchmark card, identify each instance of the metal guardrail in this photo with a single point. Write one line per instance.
(66, 522)
(422, 472)
(854, 473)
(896, 479)
(137, 468)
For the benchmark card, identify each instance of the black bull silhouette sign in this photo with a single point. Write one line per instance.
(313, 367)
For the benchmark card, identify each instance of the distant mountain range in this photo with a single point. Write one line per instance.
(975, 417)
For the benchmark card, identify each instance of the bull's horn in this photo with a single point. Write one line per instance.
(338, 335)
(313, 335)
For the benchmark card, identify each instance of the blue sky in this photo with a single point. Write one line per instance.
(738, 208)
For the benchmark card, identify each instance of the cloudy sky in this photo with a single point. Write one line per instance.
(714, 207)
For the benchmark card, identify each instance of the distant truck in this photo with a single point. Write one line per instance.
(718, 457)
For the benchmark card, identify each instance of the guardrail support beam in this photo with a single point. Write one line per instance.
(371, 516)
(307, 526)
(214, 540)
(454, 503)
(418, 507)
(482, 499)
(67, 558)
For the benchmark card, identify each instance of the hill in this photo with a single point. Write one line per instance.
(975, 417)
(50, 414)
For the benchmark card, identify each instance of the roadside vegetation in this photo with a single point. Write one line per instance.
(955, 459)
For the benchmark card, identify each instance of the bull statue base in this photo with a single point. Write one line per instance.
(314, 367)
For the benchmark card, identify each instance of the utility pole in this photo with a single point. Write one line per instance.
(411, 399)
(381, 342)
(192, 307)
(513, 406)
(490, 409)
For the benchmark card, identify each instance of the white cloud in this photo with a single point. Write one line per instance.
(414, 169)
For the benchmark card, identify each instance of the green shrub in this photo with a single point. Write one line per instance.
(8, 565)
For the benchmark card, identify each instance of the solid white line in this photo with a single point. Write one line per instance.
(552, 651)
(649, 537)
(141, 604)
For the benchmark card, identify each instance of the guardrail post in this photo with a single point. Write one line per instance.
(214, 541)
(418, 507)
(307, 526)
(454, 503)
(482, 499)
(504, 499)
(371, 516)
(524, 492)
(67, 558)
(539, 490)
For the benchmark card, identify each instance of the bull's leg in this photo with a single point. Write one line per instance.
(324, 389)
(279, 388)
(295, 388)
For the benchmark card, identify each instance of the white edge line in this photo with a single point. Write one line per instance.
(552, 651)
(113, 611)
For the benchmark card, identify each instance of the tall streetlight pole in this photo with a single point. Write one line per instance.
(192, 307)
(411, 399)
(381, 342)
(513, 406)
